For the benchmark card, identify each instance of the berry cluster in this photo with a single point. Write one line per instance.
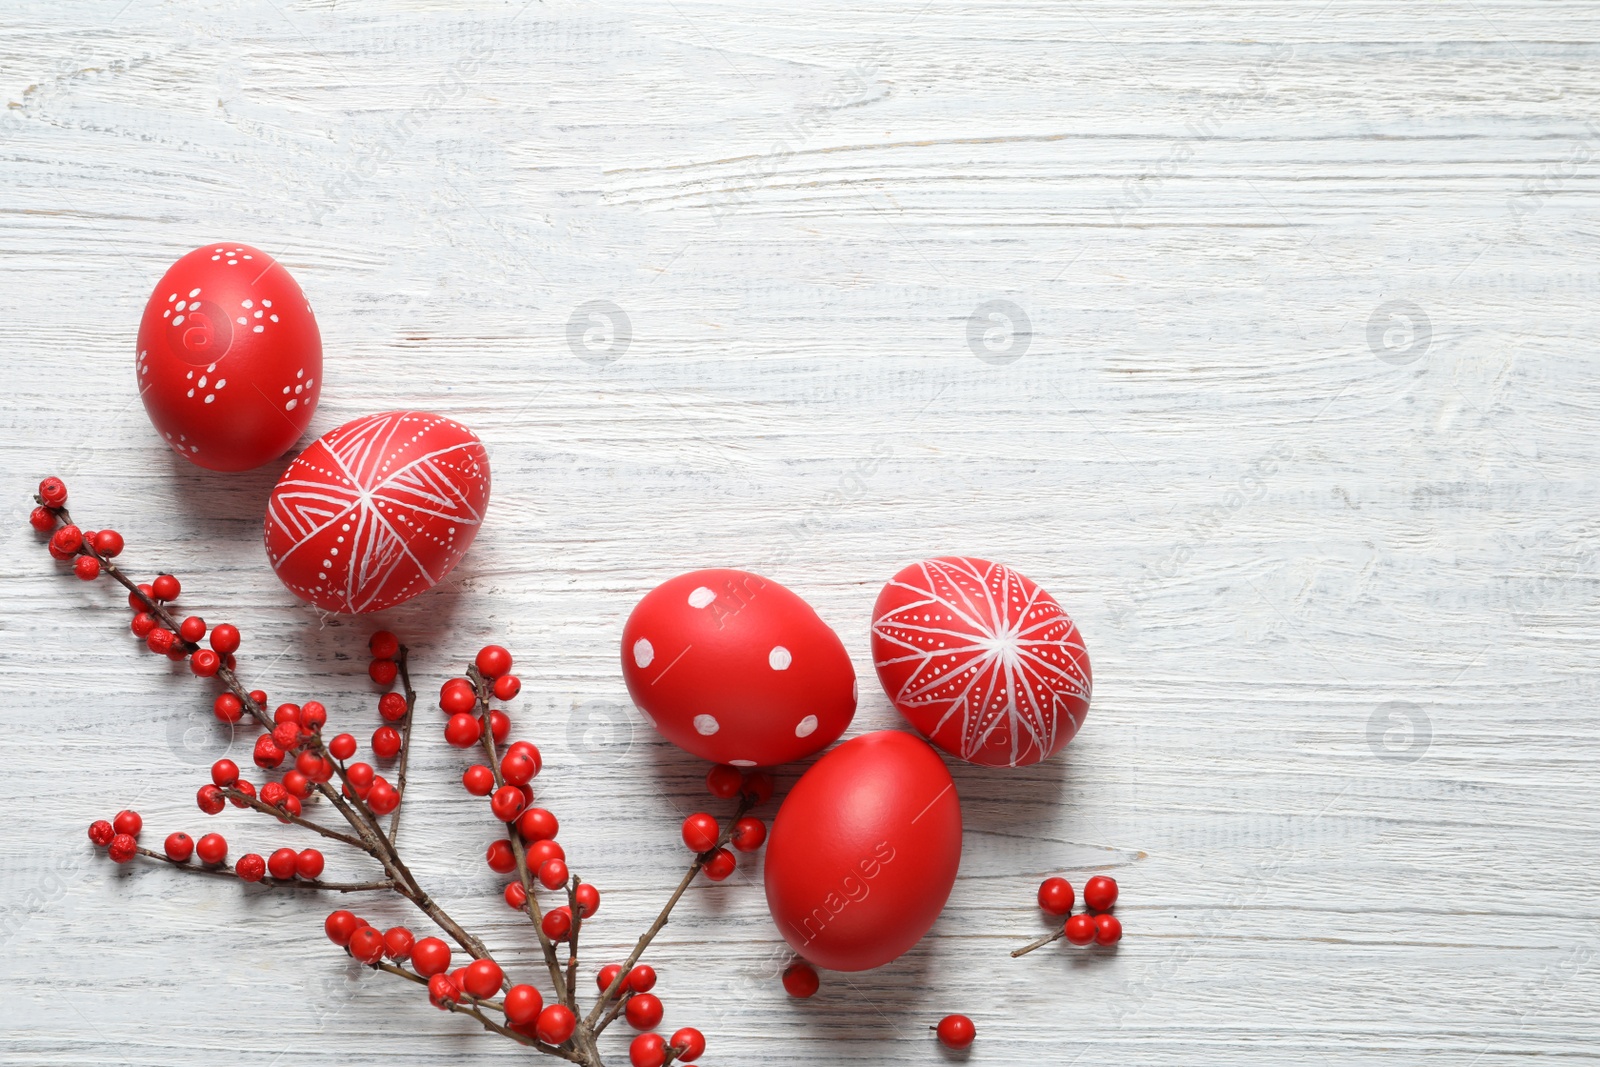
(1094, 926)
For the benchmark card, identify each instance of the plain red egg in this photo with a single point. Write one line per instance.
(229, 358)
(378, 510)
(734, 668)
(981, 661)
(864, 851)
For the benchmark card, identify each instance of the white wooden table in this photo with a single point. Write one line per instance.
(1260, 333)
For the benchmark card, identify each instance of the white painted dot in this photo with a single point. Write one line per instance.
(706, 725)
(193, 293)
(180, 305)
(779, 659)
(741, 763)
(291, 405)
(258, 329)
(701, 597)
(210, 397)
(806, 727)
(246, 303)
(178, 321)
(643, 652)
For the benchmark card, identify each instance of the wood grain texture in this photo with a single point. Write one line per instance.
(1302, 430)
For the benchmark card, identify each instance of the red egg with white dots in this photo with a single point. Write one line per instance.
(981, 661)
(735, 668)
(229, 358)
(378, 510)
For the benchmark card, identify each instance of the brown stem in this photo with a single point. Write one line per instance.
(572, 942)
(405, 740)
(475, 1010)
(616, 1010)
(1038, 943)
(253, 801)
(229, 871)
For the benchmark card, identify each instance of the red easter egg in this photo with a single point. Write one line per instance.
(230, 358)
(378, 510)
(734, 668)
(981, 661)
(864, 851)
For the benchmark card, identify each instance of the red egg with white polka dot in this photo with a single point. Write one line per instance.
(378, 510)
(981, 661)
(230, 358)
(734, 668)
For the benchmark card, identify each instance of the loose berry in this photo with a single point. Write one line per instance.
(506, 803)
(537, 824)
(720, 865)
(267, 753)
(383, 645)
(392, 707)
(192, 629)
(386, 742)
(1055, 896)
(516, 896)
(442, 991)
(507, 686)
(522, 1004)
(225, 639)
(518, 767)
(204, 662)
(366, 945)
(42, 519)
(641, 979)
(483, 978)
(1100, 893)
(688, 1043)
(759, 784)
(128, 822)
(956, 1031)
(382, 671)
(281, 864)
(700, 832)
(398, 943)
(251, 867)
(588, 898)
(479, 780)
(142, 624)
(463, 731)
(210, 799)
(53, 492)
(165, 587)
(457, 697)
(308, 864)
(553, 874)
(800, 979)
(541, 852)
(227, 707)
(1107, 930)
(178, 847)
(556, 1024)
(749, 833)
(607, 975)
(1079, 929)
(101, 832)
(212, 849)
(643, 1011)
(87, 568)
(647, 1050)
(430, 956)
(122, 848)
(558, 923)
(342, 747)
(724, 781)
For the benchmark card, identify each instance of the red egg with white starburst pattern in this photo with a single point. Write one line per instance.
(378, 510)
(229, 358)
(981, 661)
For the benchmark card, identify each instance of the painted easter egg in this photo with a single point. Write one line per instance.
(864, 851)
(733, 667)
(229, 358)
(981, 661)
(378, 510)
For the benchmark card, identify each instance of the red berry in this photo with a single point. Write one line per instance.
(956, 1031)
(101, 832)
(749, 833)
(688, 1043)
(192, 629)
(366, 945)
(267, 753)
(500, 858)
(641, 979)
(442, 991)
(556, 1024)
(1055, 896)
(479, 780)
(286, 713)
(87, 568)
(506, 803)
(65, 541)
(204, 662)
(553, 874)
(588, 898)
(493, 661)
(392, 707)
(647, 1050)
(291, 805)
(607, 975)
(108, 543)
(342, 747)
(799, 979)
(724, 781)
(523, 1003)
(382, 671)
(483, 978)
(159, 640)
(165, 587)
(1100, 893)
(251, 867)
(225, 638)
(281, 864)
(42, 519)
(457, 697)
(529, 749)
(286, 735)
(210, 799)
(227, 707)
(212, 848)
(518, 768)
(273, 794)
(127, 822)
(340, 926)
(700, 832)
(178, 847)
(53, 492)
(558, 923)
(643, 1011)
(507, 686)
(430, 956)
(516, 896)
(313, 716)
(259, 698)
(759, 784)
(386, 742)
(1079, 929)
(244, 788)
(499, 726)
(383, 797)
(541, 852)
(463, 730)
(1107, 929)
(537, 824)
(361, 776)
(297, 785)
(122, 848)
(720, 865)
(137, 602)
(142, 624)
(398, 943)
(383, 645)
(314, 766)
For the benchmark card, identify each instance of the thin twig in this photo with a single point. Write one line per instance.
(1039, 943)
(229, 871)
(254, 801)
(405, 741)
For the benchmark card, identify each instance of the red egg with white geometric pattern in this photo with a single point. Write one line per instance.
(981, 661)
(230, 358)
(378, 510)
(735, 668)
